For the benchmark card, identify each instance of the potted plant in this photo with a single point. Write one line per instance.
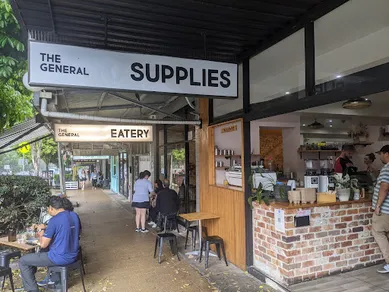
(359, 133)
(258, 195)
(344, 185)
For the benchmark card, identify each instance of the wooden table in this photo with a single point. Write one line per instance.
(198, 216)
(22, 246)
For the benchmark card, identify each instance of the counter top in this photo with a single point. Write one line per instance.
(230, 188)
(287, 205)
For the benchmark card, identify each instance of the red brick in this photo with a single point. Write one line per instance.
(271, 253)
(358, 229)
(347, 219)
(358, 254)
(369, 252)
(317, 215)
(363, 210)
(352, 236)
(359, 217)
(308, 236)
(364, 246)
(315, 229)
(336, 207)
(328, 266)
(284, 259)
(340, 238)
(322, 274)
(353, 249)
(270, 214)
(301, 244)
(327, 240)
(340, 213)
(292, 253)
(322, 247)
(352, 262)
(376, 257)
(352, 211)
(341, 264)
(261, 224)
(289, 239)
(289, 267)
(276, 235)
(334, 232)
(301, 231)
(301, 258)
(364, 222)
(334, 245)
(334, 259)
(334, 220)
(368, 216)
(340, 251)
(316, 269)
(328, 253)
(284, 245)
(364, 259)
(347, 243)
(308, 250)
(321, 234)
(340, 225)
(290, 218)
(353, 224)
(373, 245)
(308, 264)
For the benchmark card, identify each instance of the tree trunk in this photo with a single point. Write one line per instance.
(35, 156)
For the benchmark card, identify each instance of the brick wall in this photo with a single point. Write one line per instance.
(338, 239)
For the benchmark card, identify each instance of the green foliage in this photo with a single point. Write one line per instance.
(179, 154)
(15, 99)
(49, 151)
(68, 177)
(258, 195)
(21, 199)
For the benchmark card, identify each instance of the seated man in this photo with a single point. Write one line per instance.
(168, 202)
(62, 238)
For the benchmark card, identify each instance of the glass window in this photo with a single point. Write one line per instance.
(175, 133)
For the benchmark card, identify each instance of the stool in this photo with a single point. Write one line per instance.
(4, 272)
(170, 221)
(159, 241)
(205, 244)
(193, 230)
(5, 258)
(63, 271)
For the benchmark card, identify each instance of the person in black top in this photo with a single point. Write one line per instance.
(153, 211)
(168, 202)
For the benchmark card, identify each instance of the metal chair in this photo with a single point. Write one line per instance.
(5, 259)
(161, 237)
(64, 271)
(4, 272)
(205, 245)
(194, 231)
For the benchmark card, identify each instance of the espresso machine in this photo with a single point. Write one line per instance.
(311, 177)
(326, 178)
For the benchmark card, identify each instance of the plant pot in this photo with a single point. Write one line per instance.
(281, 193)
(343, 194)
(11, 235)
(294, 197)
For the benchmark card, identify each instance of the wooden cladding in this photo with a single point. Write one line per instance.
(222, 201)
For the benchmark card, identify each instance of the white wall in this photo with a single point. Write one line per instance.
(225, 106)
(290, 125)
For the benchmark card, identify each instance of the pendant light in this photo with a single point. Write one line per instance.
(316, 125)
(357, 103)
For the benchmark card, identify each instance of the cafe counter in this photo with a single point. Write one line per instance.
(333, 238)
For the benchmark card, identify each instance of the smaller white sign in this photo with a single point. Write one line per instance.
(279, 218)
(7, 167)
(103, 133)
(303, 213)
(92, 157)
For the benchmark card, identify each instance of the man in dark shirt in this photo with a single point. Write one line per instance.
(343, 163)
(62, 238)
(167, 199)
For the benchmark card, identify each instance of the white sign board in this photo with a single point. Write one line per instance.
(7, 167)
(70, 66)
(102, 133)
(91, 157)
(279, 218)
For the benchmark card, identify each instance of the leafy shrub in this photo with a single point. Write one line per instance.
(56, 178)
(68, 177)
(21, 199)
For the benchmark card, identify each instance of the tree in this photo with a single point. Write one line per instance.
(15, 99)
(49, 151)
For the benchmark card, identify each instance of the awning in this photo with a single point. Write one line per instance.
(29, 131)
(217, 30)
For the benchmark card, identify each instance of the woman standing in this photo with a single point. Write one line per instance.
(369, 159)
(83, 179)
(141, 202)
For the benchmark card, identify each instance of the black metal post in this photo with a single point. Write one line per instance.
(210, 111)
(186, 199)
(165, 150)
(247, 162)
(157, 170)
(309, 45)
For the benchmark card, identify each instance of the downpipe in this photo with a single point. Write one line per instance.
(73, 116)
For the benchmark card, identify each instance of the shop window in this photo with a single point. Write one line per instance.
(175, 133)
(344, 44)
(279, 70)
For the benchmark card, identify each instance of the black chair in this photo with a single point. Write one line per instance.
(5, 259)
(170, 222)
(205, 245)
(161, 237)
(4, 272)
(64, 271)
(194, 231)
(81, 259)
